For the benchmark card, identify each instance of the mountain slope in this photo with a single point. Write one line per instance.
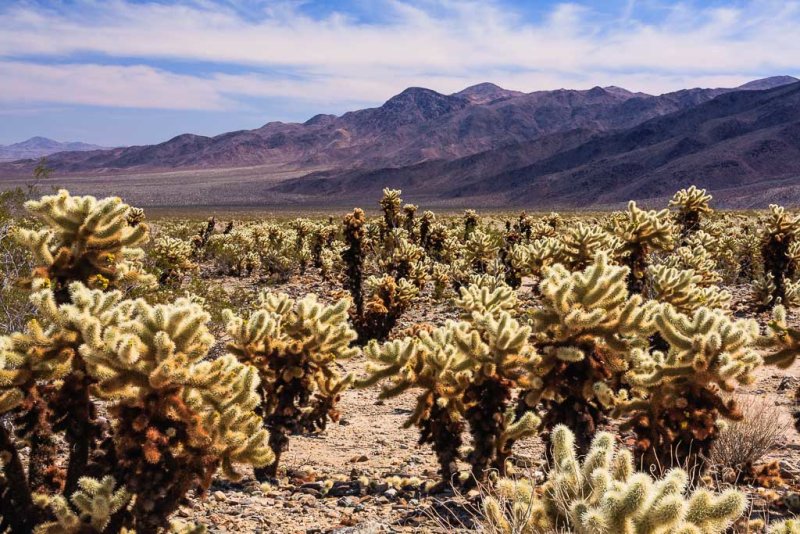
(483, 145)
(412, 127)
(737, 140)
(36, 147)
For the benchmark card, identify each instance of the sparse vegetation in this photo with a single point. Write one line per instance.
(127, 389)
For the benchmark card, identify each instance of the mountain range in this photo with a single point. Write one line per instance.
(37, 147)
(483, 146)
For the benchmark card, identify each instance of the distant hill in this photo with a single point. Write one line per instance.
(36, 147)
(488, 145)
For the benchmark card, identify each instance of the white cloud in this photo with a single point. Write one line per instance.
(442, 44)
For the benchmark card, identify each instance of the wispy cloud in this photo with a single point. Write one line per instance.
(180, 55)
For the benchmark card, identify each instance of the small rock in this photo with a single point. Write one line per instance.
(390, 493)
(358, 459)
(347, 502)
(219, 496)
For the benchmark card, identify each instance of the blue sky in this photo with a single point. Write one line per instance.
(120, 72)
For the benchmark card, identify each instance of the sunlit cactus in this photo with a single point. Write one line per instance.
(403, 257)
(294, 346)
(790, 526)
(429, 363)
(581, 242)
(425, 228)
(585, 330)
(480, 249)
(777, 251)
(57, 385)
(173, 257)
(684, 289)
(604, 495)
(497, 349)
(86, 240)
(691, 204)
(678, 395)
(642, 233)
(782, 343)
(178, 415)
(386, 300)
(390, 204)
(91, 511)
(697, 258)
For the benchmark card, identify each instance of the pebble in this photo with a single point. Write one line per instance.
(347, 502)
(220, 496)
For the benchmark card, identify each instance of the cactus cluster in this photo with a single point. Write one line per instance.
(87, 240)
(679, 395)
(294, 347)
(691, 204)
(176, 417)
(642, 233)
(586, 329)
(604, 495)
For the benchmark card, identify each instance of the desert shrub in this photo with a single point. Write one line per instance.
(741, 445)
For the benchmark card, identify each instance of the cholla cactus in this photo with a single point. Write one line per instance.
(783, 345)
(642, 232)
(466, 371)
(49, 351)
(95, 503)
(425, 227)
(294, 346)
(390, 204)
(684, 289)
(585, 331)
(404, 257)
(86, 240)
(678, 394)
(440, 274)
(429, 363)
(387, 300)
(470, 222)
(696, 257)
(353, 257)
(777, 252)
(173, 258)
(691, 204)
(603, 495)
(480, 250)
(580, 244)
(500, 357)
(178, 415)
(790, 526)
